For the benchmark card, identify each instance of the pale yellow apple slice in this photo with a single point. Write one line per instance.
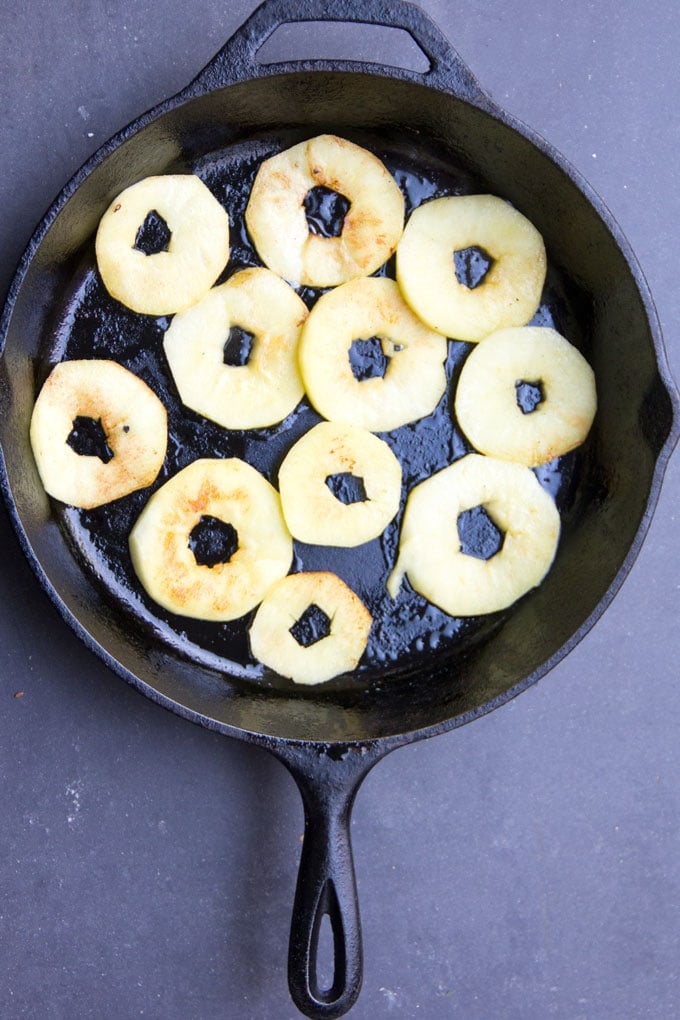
(327, 453)
(349, 624)
(167, 281)
(415, 378)
(509, 293)
(430, 552)
(265, 389)
(490, 412)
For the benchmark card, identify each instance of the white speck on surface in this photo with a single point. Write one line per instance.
(594, 155)
(73, 791)
(392, 998)
(90, 134)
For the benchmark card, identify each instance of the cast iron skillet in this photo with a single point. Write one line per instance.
(329, 738)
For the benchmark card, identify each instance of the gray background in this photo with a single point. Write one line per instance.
(526, 866)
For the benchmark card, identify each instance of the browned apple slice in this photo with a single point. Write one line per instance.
(98, 432)
(211, 541)
(277, 220)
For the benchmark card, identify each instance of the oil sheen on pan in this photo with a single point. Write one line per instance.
(89, 323)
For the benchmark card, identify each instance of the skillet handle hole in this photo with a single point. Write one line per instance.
(327, 962)
(347, 41)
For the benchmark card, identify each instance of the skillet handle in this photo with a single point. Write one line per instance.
(237, 60)
(328, 778)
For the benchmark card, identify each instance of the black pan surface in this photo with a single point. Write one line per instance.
(87, 323)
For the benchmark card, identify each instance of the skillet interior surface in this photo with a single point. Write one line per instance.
(602, 490)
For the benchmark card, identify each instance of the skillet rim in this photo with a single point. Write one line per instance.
(596, 206)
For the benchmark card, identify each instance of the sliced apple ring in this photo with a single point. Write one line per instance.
(277, 633)
(362, 310)
(278, 224)
(340, 485)
(98, 433)
(430, 548)
(267, 386)
(171, 279)
(508, 293)
(553, 419)
(227, 584)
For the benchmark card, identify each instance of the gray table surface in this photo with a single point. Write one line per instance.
(526, 866)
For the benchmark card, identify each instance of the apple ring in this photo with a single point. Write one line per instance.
(336, 649)
(488, 407)
(277, 220)
(265, 389)
(319, 512)
(229, 493)
(510, 291)
(371, 309)
(174, 278)
(430, 551)
(128, 426)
